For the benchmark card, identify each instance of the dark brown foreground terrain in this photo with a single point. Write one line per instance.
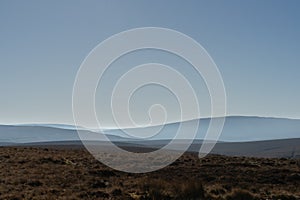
(72, 173)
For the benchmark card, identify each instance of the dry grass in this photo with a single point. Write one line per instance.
(52, 173)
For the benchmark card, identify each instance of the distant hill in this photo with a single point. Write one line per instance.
(288, 148)
(241, 136)
(236, 128)
(10, 134)
(283, 148)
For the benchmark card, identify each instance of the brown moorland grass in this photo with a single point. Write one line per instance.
(72, 173)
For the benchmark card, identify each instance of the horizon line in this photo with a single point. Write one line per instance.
(171, 122)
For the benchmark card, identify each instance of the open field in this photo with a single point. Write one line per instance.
(72, 173)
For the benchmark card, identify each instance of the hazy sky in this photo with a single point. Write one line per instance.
(256, 45)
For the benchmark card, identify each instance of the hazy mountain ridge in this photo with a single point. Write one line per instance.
(282, 148)
(244, 136)
(236, 128)
(10, 134)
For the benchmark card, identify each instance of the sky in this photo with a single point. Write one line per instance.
(255, 44)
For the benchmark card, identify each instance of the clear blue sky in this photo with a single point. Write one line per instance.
(256, 45)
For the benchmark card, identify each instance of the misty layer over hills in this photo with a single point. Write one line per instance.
(236, 128)
(241, 136)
